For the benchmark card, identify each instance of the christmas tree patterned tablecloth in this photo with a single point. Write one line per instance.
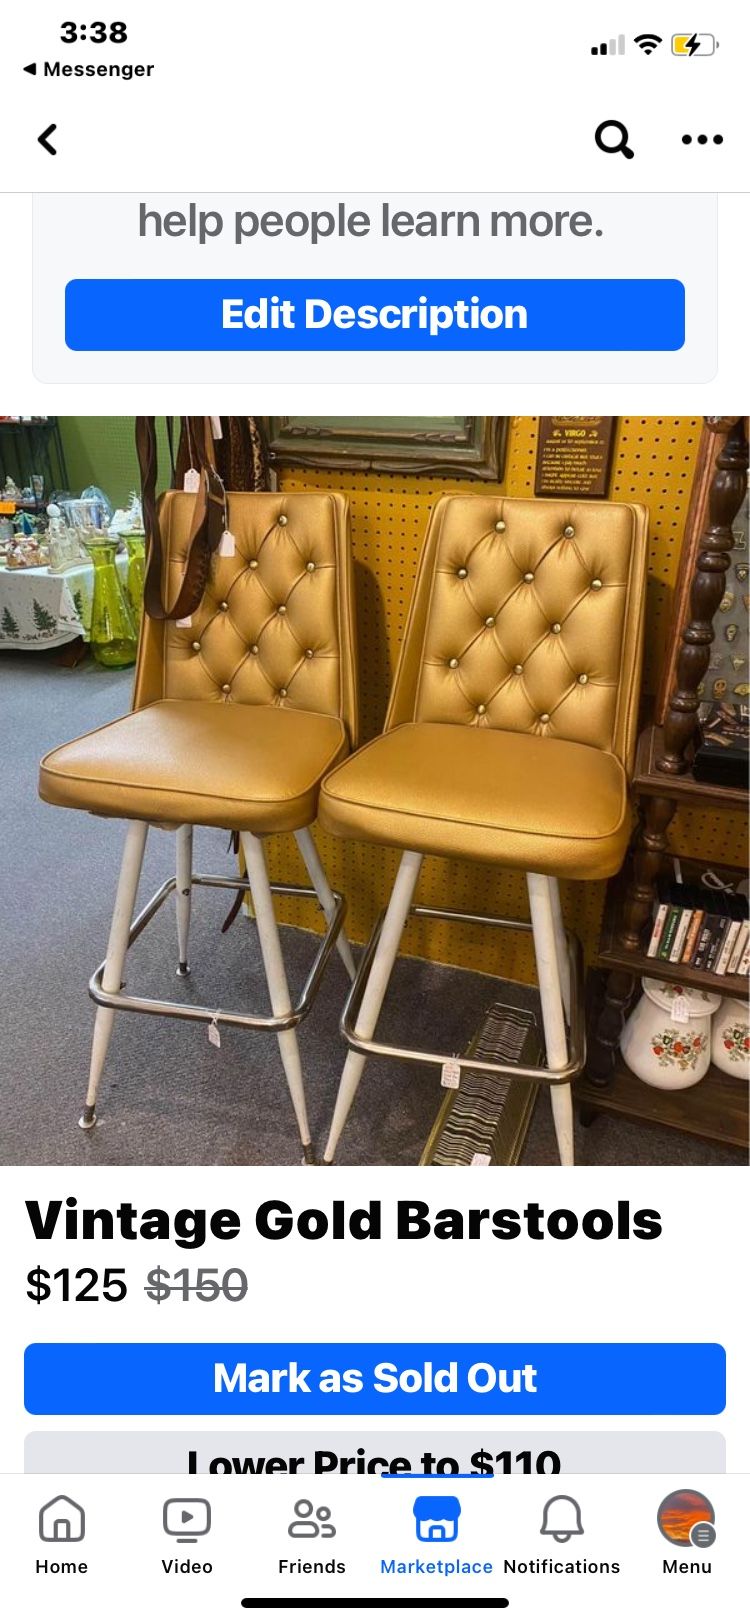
(41, 610)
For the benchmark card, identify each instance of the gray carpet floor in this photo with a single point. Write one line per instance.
(168, 1096)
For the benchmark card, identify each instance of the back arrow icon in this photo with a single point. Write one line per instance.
(43, 142)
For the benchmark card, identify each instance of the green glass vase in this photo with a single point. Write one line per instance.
(136, 545)
(113, 636)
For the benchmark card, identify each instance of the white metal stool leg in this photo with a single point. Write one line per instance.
(117, 946)
(375, 991)
(561, 946)
(184, 894)
(278, 987)
(319, 882)
(553, 1016)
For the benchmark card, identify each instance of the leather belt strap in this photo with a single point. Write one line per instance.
(208, 523)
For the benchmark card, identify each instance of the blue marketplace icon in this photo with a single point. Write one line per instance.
(437, 1518)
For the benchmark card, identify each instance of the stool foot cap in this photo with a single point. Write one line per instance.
(88, 1120)
(308, 1155)
(183, 969)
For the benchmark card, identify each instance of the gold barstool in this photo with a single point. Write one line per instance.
(239, 712)
(509, 738)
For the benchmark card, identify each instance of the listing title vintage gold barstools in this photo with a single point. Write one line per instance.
(239, 711)
(509, 738)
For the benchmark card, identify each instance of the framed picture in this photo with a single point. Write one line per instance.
(413, 445)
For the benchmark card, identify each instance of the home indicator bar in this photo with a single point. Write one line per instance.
(373, 1601)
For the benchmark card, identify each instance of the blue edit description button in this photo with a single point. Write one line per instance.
(341, 1379)
(383, 315)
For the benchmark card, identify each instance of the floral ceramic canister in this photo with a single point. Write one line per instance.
(667, 1039)
(730, 1045)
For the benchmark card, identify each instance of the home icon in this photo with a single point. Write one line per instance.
(62, 1521)
(437, 1517)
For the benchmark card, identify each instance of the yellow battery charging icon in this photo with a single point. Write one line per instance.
(693, 44)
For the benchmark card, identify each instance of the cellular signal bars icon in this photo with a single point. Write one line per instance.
(611, 47)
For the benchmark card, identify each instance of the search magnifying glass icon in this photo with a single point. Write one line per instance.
(612, 136)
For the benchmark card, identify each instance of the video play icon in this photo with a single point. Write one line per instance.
(186, 1520)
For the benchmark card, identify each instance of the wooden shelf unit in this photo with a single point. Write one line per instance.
(613, 955)
(682, 788)
(716, 1109)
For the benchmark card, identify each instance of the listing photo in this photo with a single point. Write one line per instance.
(375, 791)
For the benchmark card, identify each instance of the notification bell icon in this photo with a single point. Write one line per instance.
(561, 1518)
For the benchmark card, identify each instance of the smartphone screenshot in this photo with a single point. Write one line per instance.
(375, 1040)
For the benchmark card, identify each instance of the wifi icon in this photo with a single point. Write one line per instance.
(647, 42)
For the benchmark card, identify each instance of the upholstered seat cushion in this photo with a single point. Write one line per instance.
(252, 767)
(514, 799)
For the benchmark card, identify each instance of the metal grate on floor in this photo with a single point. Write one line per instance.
(485, 1121)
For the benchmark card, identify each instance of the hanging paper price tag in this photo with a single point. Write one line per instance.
(680, 1009)
(214, 1035)
(192, 481)
(226, 545)
(480, 1161)
(186, 623)
(450, 1075)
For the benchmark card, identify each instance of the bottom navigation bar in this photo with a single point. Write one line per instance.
(570, 1546)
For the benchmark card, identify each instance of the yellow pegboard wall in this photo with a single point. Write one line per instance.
(653, 463)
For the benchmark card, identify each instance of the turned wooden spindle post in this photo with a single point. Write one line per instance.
(604, 1037)
(726, 494)
(648, 857)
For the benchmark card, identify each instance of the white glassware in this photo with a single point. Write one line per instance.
(666, 1040)
(730, 1044)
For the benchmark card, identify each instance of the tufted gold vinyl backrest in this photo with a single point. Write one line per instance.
(275, 626)
(528, 616)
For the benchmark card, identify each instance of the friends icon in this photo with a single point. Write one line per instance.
(308, 1525)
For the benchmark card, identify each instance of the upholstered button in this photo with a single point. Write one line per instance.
(253, 563)
(490, 621)
(481, 710)
(282, 518)
(544, 716)
(583, 679)
(568, 531)
(195, 647)
(253, 648)
(281, 609)
(499, 524)
(462, 574)
(518, 669)
(453, 663)
(529, 576)
(224, 606)
(310, 567)
(595, 585)
(556, 628)
(226, 688)
(282, 693)
(308, 653)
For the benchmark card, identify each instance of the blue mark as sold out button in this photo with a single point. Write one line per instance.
(351, 1378)
(323, 315)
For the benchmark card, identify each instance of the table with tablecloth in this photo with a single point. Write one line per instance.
(43, 609)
